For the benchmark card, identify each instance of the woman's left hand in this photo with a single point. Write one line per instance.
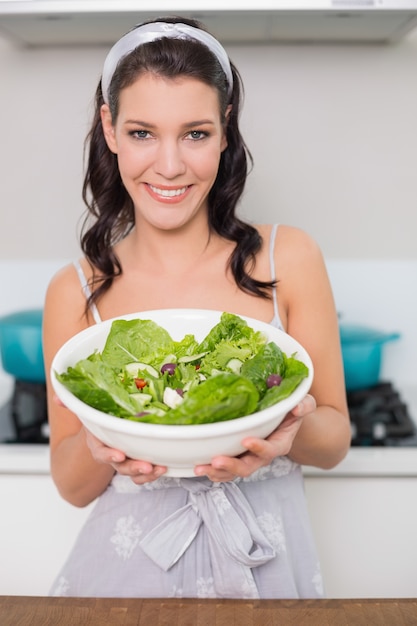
(260, 452)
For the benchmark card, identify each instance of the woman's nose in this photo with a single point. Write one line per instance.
(169, 160)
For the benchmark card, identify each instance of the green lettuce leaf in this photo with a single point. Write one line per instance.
(188, 346)
(280, 392)
(234, 329)
(136, 340)
(230, 339)
(96, 383)
(269, 360)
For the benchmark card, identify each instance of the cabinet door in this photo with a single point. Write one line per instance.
(366, 535)
(37, 530)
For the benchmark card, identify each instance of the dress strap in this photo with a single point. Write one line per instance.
(87, 292)
(276, 319)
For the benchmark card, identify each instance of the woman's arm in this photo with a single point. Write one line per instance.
(77, 476)
(324, 435)
(82, 466)
(318, 431)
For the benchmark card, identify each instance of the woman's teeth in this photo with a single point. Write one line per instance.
(168, 193)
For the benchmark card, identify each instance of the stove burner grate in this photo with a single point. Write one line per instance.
(379, 417)
(28, 413)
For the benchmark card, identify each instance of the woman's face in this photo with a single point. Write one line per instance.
(168, 138)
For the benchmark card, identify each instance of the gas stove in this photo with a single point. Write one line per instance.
(379, 417)
(24, 417)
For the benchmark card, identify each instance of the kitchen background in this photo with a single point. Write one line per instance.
(333, 134)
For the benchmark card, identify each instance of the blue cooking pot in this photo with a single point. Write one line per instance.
(21, 345)
(362, 351)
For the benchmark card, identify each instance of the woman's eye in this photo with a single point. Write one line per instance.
(139, 134)
(197, 134)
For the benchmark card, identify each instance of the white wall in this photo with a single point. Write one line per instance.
(333, 133)
(334, 136)
(332, 130)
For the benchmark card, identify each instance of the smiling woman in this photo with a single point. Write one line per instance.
(166, 168)
(168, 138)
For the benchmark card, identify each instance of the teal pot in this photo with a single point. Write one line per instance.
(362, 351)
(21, 345)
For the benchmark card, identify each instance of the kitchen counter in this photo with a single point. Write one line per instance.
(34, 459)
(68, 611)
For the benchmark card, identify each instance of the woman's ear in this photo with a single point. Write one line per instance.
(224, 138)
(108, 128)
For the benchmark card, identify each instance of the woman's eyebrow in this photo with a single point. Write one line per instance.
(198, 123)
(185, 125)
(140, 123)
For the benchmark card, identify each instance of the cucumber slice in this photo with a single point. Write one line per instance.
(234, 365)
(141, 399)
(170, 358)
(191, 358)
(133, 368)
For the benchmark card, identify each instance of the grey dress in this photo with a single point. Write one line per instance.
(189, 537)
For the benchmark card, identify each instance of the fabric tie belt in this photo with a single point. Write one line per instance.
(236, 541)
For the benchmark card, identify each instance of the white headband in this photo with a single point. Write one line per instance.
(157, 30)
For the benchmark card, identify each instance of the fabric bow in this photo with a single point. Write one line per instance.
(236, 542)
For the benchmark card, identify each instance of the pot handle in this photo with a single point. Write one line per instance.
(390, 337)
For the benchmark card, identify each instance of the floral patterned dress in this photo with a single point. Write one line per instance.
(190, 537)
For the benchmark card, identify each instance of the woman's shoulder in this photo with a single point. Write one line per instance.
(295, 240)
(64, 309)
(296, 255)
(64, 292)
(288, 240)
(65, 277)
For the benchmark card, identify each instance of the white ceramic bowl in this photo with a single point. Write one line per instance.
(179, 448)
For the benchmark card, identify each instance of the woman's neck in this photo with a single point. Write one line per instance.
(169, 252)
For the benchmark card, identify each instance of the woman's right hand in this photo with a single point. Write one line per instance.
(140, 472)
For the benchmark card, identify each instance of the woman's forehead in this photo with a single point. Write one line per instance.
(170, 96)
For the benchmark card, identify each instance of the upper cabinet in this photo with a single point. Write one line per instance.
(72, 22)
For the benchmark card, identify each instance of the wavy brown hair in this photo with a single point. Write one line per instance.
(110, 212)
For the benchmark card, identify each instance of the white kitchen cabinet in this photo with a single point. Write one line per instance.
(364, 515)
(37, 530)
(60, 22)
(366, 534)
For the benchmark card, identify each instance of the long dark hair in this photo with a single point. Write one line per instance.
(110, 212)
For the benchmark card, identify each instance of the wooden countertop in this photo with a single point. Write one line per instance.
(33, 610)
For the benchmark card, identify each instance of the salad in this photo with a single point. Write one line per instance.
(142, 374)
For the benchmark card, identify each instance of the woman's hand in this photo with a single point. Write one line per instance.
(139, 471)
(260, 452)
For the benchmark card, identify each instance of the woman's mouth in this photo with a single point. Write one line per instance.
(168, 192)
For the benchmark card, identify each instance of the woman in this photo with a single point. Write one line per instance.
(166, 168)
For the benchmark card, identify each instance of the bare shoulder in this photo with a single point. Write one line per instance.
(298, 257)
(292, 246)
(64, 286)
(64, 307)
(62, 276)
(294, 241)
(301, 274)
